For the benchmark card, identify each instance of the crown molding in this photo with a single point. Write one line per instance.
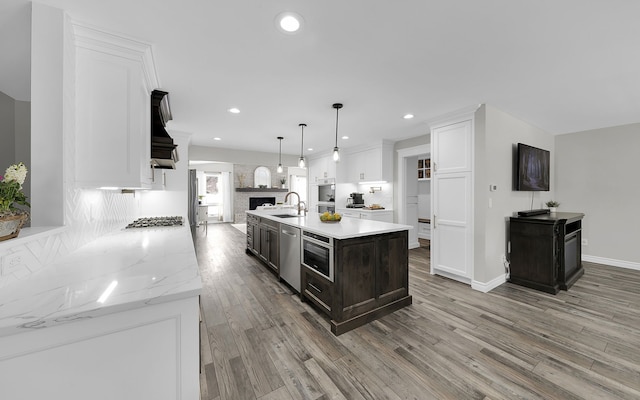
(96, 39)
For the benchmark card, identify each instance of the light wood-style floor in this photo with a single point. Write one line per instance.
(261, 342)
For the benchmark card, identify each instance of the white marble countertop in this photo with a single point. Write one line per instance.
(345, 229)
(150, 266)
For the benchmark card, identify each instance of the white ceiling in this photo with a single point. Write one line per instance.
(563, 66)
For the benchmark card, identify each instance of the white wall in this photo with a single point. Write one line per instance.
(496, 135)
(268, 159)
(597, 174)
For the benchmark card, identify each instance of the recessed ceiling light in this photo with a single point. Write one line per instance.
(234, 110)
(310, 149)
(289, 22)
(345, 137)
(216, 138)
(408, 116)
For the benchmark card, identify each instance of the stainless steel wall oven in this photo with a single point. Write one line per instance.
(317, 254)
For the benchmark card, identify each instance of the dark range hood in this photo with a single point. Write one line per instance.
(163, 150)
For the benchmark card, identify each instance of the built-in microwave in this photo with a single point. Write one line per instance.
(317, 254)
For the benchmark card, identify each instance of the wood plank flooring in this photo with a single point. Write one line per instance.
(260, 342)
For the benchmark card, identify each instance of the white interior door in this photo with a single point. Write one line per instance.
(452, 201)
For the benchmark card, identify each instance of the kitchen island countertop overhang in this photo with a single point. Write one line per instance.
(347, 228)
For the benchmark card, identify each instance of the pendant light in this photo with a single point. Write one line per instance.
(336, 151)
(301, 162)
(280, 169)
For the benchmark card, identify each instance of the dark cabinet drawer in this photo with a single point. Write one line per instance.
(317, 289)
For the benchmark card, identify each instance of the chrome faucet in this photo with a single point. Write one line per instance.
(300, 203)
(303, 208)
(286, 197)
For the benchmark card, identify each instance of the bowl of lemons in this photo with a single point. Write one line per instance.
(330, 217)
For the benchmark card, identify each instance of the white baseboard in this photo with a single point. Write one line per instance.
(414, 245)
(612, 262)
(485, 287)
(449, 275)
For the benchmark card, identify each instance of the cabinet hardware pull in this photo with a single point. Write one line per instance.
(434, 222)
(435, 166)
(314, 287)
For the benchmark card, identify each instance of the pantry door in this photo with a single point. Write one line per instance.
(452, 199)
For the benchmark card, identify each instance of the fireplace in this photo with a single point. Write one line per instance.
(254, 202)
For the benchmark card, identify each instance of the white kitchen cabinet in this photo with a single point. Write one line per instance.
(374, 215)
(370, 164)
(114, 80)
(424, 169)
(144, 353)
(424, 230)
(452, 195)
(347, 213)
(322, 170)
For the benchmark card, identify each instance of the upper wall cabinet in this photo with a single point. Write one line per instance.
(114, 79)
(322, 169)
(370, 164)
(424, 169)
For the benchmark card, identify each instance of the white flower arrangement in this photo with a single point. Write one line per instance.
(11, 188)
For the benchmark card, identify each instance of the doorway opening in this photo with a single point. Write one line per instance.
(414, 193)
(214, 192)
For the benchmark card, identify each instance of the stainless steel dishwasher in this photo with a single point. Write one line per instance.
(290, 255)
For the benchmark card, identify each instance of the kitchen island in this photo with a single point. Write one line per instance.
(118, 318)
(365, 277)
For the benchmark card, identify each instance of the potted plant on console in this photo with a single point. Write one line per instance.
(11, 217)
(283, 181)
(553, 205)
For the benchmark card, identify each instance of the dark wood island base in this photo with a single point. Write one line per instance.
(371, 280)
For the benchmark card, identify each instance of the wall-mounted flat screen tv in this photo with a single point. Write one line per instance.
(532, 169)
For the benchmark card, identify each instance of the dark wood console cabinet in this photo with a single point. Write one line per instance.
(546, 251)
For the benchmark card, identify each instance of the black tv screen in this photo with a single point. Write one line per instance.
(532, 169)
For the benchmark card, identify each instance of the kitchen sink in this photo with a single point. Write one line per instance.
(286, 215)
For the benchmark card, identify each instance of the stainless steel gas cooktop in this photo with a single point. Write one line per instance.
(155, 222)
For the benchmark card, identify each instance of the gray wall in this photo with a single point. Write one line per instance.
(597, 174)
(15, 135)
(496, 134)
(51, 96)
(7, 131)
